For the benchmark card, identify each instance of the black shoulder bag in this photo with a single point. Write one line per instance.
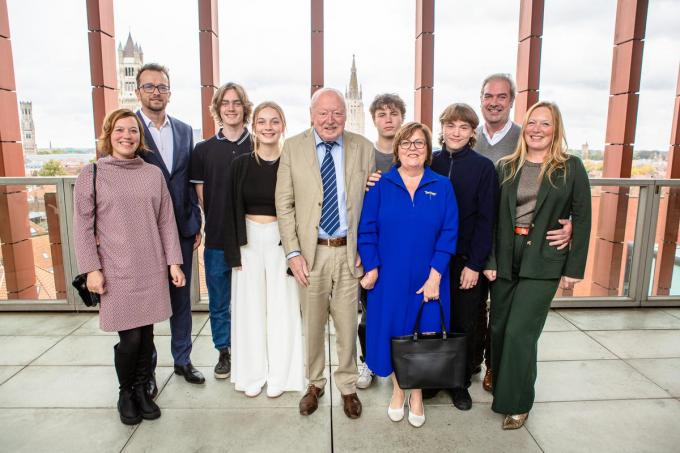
(90, 299)
(434, 361)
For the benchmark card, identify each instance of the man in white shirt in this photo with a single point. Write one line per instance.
(170, 143)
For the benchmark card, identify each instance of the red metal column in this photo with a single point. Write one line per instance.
(208, 37)
(629, 34)
(317, 45)
(15, 237)
(528, 56)
(101, 41)
(424, 78)
(669, 211)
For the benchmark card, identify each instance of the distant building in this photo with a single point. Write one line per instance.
(130, 60)
(355, 106)
(27, 127)
(198, 135)
(585, 151)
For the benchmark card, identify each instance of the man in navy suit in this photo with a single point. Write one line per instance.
(171, 144)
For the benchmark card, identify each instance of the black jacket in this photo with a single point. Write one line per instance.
(476, 187)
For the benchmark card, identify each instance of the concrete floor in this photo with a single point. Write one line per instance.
(609, 380)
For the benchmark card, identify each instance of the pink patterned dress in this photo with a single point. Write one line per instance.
(137, 240)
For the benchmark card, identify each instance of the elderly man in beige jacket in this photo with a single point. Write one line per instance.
(319, 194)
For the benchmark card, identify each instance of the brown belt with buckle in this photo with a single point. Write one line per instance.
(333, 242)
(524, 231)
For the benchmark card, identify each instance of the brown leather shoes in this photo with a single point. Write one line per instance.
(310, 402)
(351, 405)
(487, 383)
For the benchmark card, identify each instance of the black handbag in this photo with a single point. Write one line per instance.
(432, 361)
(90, 299)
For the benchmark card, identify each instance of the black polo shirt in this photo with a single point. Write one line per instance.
(211, 166)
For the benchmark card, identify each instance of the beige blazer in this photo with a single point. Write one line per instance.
(299, 193)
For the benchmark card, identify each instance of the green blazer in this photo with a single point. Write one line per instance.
(560, 200)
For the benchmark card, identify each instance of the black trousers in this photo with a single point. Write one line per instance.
(465, 307)
(180, 321)
(361, 331)
(481, 338)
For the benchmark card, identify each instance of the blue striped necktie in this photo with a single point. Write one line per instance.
(330, 214)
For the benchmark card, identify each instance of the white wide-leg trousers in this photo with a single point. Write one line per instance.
(266, 330)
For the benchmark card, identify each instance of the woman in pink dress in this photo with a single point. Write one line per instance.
(127, 263)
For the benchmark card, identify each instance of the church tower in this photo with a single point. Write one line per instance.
(355, 106)
(27, 127)
(130, 60)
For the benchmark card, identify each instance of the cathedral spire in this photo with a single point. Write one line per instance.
(353, 91)
(355, 106)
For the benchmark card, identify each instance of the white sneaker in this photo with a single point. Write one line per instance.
(365, 377)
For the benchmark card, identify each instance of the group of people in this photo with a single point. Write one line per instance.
(301, 229)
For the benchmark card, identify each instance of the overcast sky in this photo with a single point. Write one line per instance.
(264, 44)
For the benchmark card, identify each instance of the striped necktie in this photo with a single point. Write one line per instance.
(330, 214)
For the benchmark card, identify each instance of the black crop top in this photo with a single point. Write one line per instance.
(259, 187)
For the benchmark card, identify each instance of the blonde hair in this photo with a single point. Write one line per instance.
(104, 146)
(557, 154)
(256, 112)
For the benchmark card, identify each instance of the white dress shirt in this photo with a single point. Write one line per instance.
(163, 139)
(498, 136)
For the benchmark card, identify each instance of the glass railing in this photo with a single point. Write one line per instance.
(633, 258)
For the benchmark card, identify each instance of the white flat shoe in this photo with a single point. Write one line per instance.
(415, 420)
(273, 392)
(396, 415)
(253, 392)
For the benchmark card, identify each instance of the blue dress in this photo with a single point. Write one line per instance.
(404, 238)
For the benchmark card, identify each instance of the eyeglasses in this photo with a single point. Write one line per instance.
(337, 115)
(417, 144)
(150, 88)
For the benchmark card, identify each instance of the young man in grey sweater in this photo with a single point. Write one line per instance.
(387, 111)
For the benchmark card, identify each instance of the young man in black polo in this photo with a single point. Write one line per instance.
(211, 173)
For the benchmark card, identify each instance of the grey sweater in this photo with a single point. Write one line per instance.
(501, 149)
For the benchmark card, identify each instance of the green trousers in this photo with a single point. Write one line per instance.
(519, 308)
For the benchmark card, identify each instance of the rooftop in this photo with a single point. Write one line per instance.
(607, 381)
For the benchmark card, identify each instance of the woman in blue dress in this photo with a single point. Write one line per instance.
(407, 235)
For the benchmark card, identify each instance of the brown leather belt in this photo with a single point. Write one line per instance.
(333, 242)
(524, 231)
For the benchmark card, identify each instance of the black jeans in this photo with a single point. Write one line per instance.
(465, 306)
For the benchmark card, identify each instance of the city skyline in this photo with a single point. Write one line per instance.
(471, 41)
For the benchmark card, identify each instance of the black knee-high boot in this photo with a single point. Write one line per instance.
(126, 364)
(148, 408)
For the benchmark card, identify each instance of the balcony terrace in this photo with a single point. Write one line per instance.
(609, 357)
(607, 381)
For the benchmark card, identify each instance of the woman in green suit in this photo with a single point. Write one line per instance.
(539, 184)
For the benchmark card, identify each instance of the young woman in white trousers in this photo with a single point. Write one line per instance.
(266, 330)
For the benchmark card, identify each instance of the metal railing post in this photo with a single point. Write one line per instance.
(643, 242)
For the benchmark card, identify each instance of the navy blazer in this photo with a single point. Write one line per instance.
(184, 199)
